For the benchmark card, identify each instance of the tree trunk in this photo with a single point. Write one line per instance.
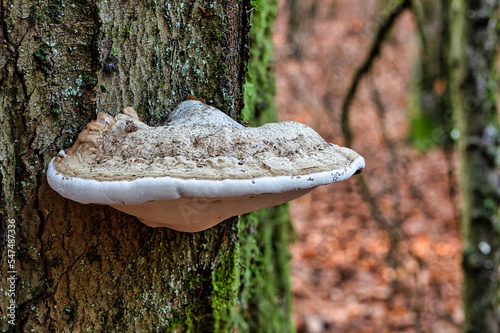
(68, 267)
(473, 83)
(301, 15)
(431, 116)
(265, 256)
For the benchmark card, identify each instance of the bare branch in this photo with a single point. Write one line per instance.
(380, 36)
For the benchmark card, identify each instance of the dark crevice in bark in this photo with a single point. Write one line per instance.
(245, 52)
(5, 29)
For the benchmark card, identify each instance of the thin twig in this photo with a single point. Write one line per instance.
(380, 36)
(394, 234)
(393, 163)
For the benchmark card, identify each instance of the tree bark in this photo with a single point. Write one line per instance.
(85, 268)
(473, 83)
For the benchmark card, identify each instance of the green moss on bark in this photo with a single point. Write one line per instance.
(226, 284)
(265, 298)
(260, 87)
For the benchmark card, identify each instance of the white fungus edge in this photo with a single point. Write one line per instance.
(142, 190)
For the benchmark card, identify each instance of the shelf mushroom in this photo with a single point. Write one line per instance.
(198, 169)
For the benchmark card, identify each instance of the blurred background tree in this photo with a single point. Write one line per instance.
(430, 109)
(419, 70)
(473, 83)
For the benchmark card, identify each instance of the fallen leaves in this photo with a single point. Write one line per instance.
(347, 273)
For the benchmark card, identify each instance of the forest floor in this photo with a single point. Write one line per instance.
(351, 272)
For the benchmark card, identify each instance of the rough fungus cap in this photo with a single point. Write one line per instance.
(199, 169)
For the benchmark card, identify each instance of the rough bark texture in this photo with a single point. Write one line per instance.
(473, 84)
(87, 267)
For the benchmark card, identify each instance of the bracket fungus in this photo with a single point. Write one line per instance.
(198, 169)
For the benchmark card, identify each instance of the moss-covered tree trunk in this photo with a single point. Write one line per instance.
(68, 267)
(474, 90)
(266, 298)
